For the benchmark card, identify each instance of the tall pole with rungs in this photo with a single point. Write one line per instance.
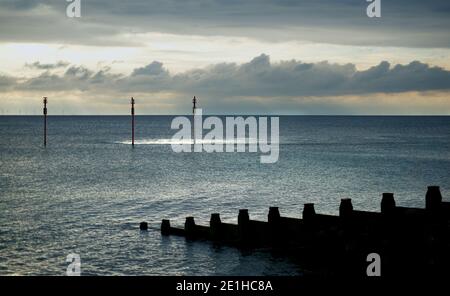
(132, 121)
(45, 121)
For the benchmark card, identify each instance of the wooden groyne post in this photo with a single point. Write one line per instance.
(433, 199)
(396, 232)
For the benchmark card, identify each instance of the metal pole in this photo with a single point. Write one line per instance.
(132, 121)
(45, 121)
(194, 102)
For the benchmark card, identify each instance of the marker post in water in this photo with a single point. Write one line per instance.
(194, 108)
(132, 121)
(45, 121)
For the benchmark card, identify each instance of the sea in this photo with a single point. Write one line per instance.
(86, 192)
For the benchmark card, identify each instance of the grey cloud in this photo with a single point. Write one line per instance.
(79, 72)
(414, 76)
(293, 78)
(155, 68)
(412, 23)
(19, 4)
(7, 83)
(40, 66)
(46, 22)
(74, 78)
(46, 82)
(257, 78)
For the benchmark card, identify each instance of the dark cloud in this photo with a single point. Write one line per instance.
(411, 23)
(77, 78)
(293, 78)
(40, 66)
(414, 76)
(257, 78)
(79, 73)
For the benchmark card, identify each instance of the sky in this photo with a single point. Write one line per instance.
(236, 56)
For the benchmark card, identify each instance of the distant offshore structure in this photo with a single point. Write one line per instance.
(409, 241)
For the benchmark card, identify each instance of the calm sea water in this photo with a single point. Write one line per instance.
(88, 190)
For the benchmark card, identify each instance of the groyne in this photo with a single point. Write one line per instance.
(410, 241)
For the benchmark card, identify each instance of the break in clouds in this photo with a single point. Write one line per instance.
(256, 78)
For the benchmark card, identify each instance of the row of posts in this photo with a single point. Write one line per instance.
(45, 101)
(433, 205)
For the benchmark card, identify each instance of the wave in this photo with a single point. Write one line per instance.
(191, 141)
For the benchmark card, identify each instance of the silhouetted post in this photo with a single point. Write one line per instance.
(308, 212)
(243, 225)
(274, 216)
(143, 226)
(433, 199)
(345, 208)
(132, 121)
(189, 226)
(388, 212)
(276, 232)
(194, 108)
(387, 203)
(215, 226)
(45, 121)
(243, 217)
(165, 227)
(346, 215)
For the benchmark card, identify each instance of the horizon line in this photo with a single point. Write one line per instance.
(249, 114)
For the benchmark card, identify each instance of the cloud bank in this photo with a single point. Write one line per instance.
(256, 78)
(409, 23)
